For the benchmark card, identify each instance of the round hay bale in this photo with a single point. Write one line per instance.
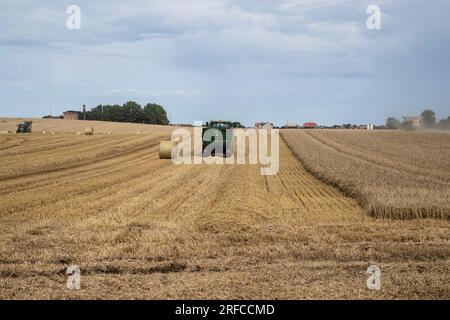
(89, 131)
(165, 149)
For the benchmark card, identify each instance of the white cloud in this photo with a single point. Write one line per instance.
(155, 93)
(289, 5)
(212, 54)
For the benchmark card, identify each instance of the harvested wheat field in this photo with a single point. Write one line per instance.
(73, 126)
(141, 227)
(393, 174)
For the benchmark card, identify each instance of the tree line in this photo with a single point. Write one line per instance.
(428, 121)
(130, 111)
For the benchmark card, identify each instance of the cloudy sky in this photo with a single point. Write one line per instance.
(254, 60)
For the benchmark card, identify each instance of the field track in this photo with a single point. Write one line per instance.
(141, 227)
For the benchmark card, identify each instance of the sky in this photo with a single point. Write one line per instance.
(247, 61)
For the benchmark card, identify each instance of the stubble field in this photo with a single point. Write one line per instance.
(141, 227)
(393, 174)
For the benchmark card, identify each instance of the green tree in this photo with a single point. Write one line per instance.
(429, 118)
(130, 111)
(96, 113)
(444, 124)
(111, 113)
(393, 123)
(155, 114)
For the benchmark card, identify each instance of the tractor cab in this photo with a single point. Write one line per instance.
(24, 127)
(221, 125)
(221, 131)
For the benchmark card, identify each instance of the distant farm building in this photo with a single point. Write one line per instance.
(264, 125)
(291, 125)
(238, 125)
(75, 115)
(71, 115)
(310, 125)
(412, 123)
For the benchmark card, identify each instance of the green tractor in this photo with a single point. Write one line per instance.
(24, 127)
(217, 137)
